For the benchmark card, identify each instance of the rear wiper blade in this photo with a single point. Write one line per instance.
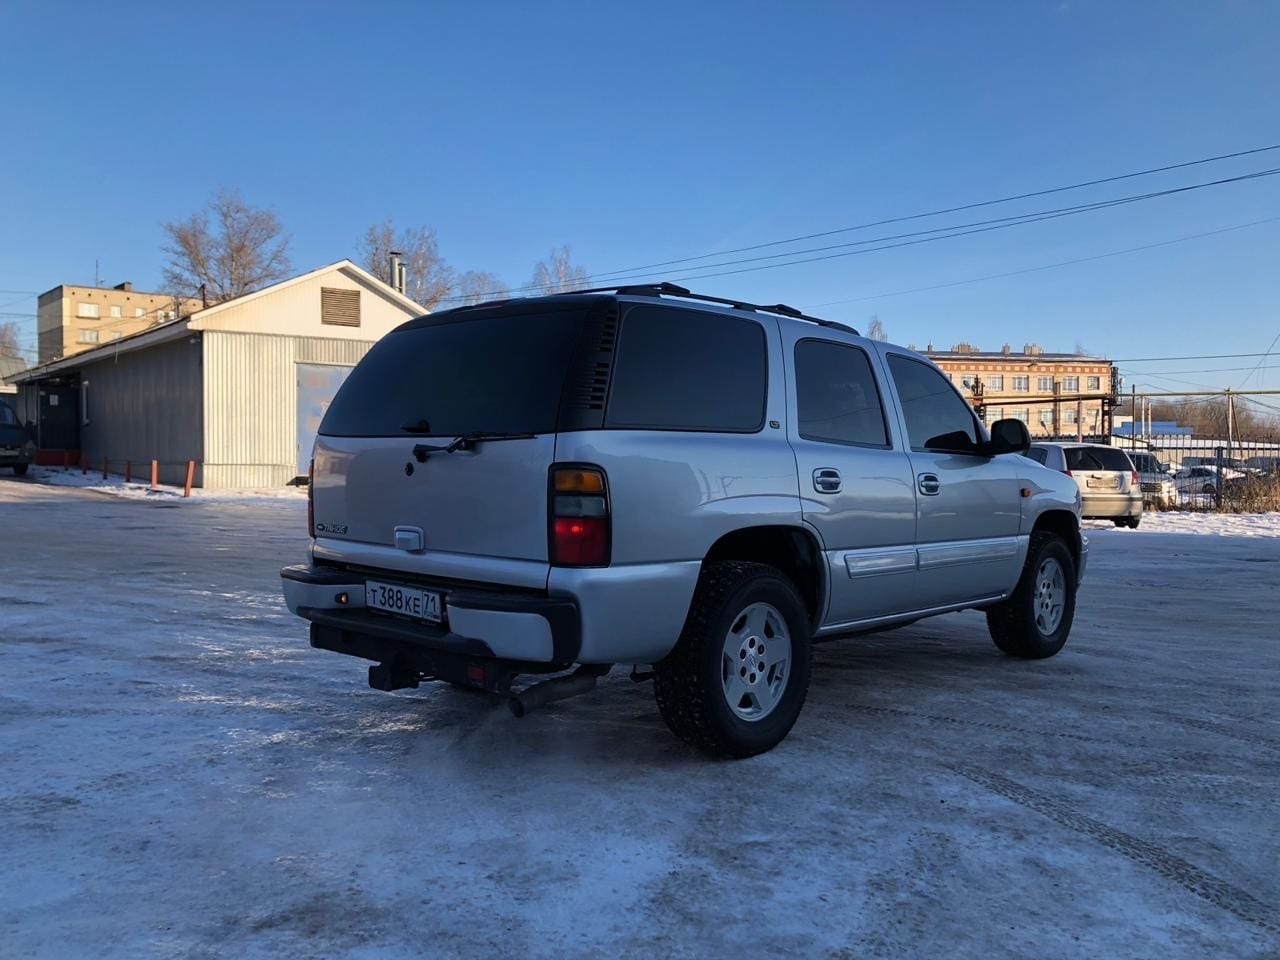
(416, 426)
(466, 441)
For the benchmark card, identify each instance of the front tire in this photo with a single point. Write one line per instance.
(1033, 623)
(736, 680)
(20, 469)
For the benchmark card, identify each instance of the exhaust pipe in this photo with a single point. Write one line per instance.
(580, 681)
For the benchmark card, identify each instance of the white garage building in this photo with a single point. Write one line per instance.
(239, 387)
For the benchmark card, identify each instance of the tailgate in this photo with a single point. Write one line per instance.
(490, 501)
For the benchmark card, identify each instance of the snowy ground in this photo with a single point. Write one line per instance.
(181, 776)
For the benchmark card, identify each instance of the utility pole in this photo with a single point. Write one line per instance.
(1231, 423)
(1133, 417)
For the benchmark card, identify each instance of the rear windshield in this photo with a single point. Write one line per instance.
(499, 374)
(1097, 458)
(7, 416)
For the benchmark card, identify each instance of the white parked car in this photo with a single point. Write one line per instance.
(1203, 479)
(1156, 477)
(1110, 488)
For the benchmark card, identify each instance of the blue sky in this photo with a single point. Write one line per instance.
(640, 132)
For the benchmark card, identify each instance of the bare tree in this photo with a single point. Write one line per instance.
(875, 329)
(228, 248)
(428, 279)
(477, 286)
(558, 273)
(10, 344)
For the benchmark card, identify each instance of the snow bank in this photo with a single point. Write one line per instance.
(116, 486)
(1213, 524)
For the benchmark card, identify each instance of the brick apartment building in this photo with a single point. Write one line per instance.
(1055, 394)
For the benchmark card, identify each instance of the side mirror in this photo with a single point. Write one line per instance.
(1008, 436)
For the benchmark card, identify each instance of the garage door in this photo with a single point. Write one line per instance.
(317, 383)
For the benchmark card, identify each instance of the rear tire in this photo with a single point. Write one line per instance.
(20, 469)
(736, 680)
(1033, 623)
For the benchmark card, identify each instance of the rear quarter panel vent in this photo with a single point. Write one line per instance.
(586, 389)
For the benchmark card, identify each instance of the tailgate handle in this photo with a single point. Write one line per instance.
(410, 539)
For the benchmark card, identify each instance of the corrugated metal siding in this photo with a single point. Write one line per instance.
(250, 391)
(146, 405)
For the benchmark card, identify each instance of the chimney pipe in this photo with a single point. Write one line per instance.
(400, 277)
(393, 274)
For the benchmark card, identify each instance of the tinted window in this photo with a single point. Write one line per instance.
(836, 396)
(688, 370)
(1097, 458)
(1038, 455)
(7, 416)
(937, 419)
(502, 374)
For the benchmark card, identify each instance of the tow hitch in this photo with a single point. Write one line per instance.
(580, 681)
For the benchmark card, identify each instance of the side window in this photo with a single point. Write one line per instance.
(688, 370)
(836, 396)
(1038, 455)
(937, 418)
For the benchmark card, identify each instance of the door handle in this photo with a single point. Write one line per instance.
(929, 484)
(826, 480)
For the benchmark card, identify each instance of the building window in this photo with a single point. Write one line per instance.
(1023, 415)
(1070, 384)
(117, 312)
(1095, 383)
(1022, 384)
(138, 312)
(115, 334)
(340, 307)
(1044, 384)
(1046, 418)
(995, 381)
(89, 310)
(995, 413)
(1069, 415)
(88, 336)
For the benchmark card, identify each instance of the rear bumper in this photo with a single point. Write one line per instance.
(1103, 508)
(510, 626)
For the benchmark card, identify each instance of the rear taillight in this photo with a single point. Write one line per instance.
(579, 507)
(1068, 472)
(311, 500)
(1133, 476)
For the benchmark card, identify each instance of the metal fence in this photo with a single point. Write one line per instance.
(1204, 451)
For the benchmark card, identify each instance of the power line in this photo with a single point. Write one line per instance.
(956, 209)
(1203, 356)
(1098, 205)
(1043, 266)
(956, 230)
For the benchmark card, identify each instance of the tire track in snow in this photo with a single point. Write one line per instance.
(984, 724)
(1225, 730)
(1203, 884)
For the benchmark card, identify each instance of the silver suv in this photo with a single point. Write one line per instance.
(699, 488)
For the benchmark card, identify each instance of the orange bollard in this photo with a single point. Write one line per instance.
(104, 468)
(128, 471)
(191, 475)
(155, 474)
(66, 460)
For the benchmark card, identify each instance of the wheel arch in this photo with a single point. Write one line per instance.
(792, 549)
(1065, 524)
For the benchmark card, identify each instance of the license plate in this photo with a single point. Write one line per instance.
(1104, 483)
(402, 600)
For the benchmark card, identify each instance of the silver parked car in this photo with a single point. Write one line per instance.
(696, 487)
(1156, 477)
(1109, 484)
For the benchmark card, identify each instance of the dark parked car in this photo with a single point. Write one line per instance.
(16, 446)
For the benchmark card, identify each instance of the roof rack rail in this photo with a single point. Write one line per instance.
(675, 290)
